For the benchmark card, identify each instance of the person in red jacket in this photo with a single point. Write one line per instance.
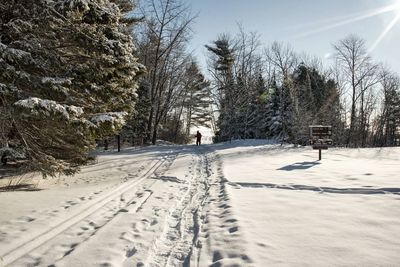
(198, 138)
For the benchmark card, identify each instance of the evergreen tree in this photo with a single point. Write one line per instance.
(135, 129)
(286, 112)
(315, 101)
(393, 118)
(223, 64)
(388, 122)
(240, 107)
(197, 98)
(67, 77)
(259, 109)
(304, 106)
(272, 123)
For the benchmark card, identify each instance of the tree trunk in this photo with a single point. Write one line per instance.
(362, 124)
(149, 125)
(154, 137)
(352, 116)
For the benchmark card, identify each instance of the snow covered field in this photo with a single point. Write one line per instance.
(296, 211)
(248, 203)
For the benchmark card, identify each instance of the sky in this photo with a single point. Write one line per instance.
(310, 26)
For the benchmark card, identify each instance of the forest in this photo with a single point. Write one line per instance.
(74, 73)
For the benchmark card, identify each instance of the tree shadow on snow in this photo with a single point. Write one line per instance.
(323, 189)
(299, 166)
(19, 187)
(168, 179)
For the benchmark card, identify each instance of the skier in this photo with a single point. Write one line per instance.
(198, 138)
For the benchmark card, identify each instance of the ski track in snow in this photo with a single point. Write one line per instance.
(221, 236)
(200, 229)
(173, 247)
(155, 217)
(103, 208)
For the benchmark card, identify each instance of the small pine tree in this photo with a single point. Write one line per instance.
(272, 122)
(259, 109)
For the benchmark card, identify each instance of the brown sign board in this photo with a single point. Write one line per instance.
(316, 141)
(320, 131)
(320, 147)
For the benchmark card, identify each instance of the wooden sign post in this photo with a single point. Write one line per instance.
(320, 138)
(119, 142)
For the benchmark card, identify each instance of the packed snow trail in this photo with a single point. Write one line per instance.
(245, 203)
(170, 211)
(19, 248)
(200, 228)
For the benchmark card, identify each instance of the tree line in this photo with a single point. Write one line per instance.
(274, 92)
(75, 72)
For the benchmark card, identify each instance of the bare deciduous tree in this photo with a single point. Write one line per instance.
(357, 68)
(164, 36)
(282, 57)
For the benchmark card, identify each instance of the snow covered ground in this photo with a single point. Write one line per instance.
(296, 211)
(248, 203)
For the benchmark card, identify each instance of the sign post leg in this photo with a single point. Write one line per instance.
(119, 143)
(320, 154)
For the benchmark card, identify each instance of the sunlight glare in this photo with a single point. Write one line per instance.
(392, 8)
(397, 7)
(385, 31)
(360, 17)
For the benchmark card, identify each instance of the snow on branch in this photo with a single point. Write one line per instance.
(112, 117)
(82, 5)
(57, 80)
(108, 123)
(14, 55)
(11, 152)
(48, 107)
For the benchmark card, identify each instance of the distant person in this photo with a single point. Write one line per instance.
(198, 138)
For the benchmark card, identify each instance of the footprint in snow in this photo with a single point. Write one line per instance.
(130, 252)
(233, 229)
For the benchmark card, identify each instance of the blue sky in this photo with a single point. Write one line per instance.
(300, 23)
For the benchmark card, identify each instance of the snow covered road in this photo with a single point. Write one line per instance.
(249, 203)
(170, 210)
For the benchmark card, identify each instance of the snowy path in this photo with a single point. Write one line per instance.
(248, 203)
(102, 209)
(171, 210)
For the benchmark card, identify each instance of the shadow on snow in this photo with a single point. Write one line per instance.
(322, 189)
(299, 166)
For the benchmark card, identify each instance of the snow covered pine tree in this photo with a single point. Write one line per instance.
(222, 62)
(68, 76)
(196, 99)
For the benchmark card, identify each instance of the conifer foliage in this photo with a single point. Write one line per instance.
(196, 100)
(222, 59)
(275, 97)
(68, 76)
